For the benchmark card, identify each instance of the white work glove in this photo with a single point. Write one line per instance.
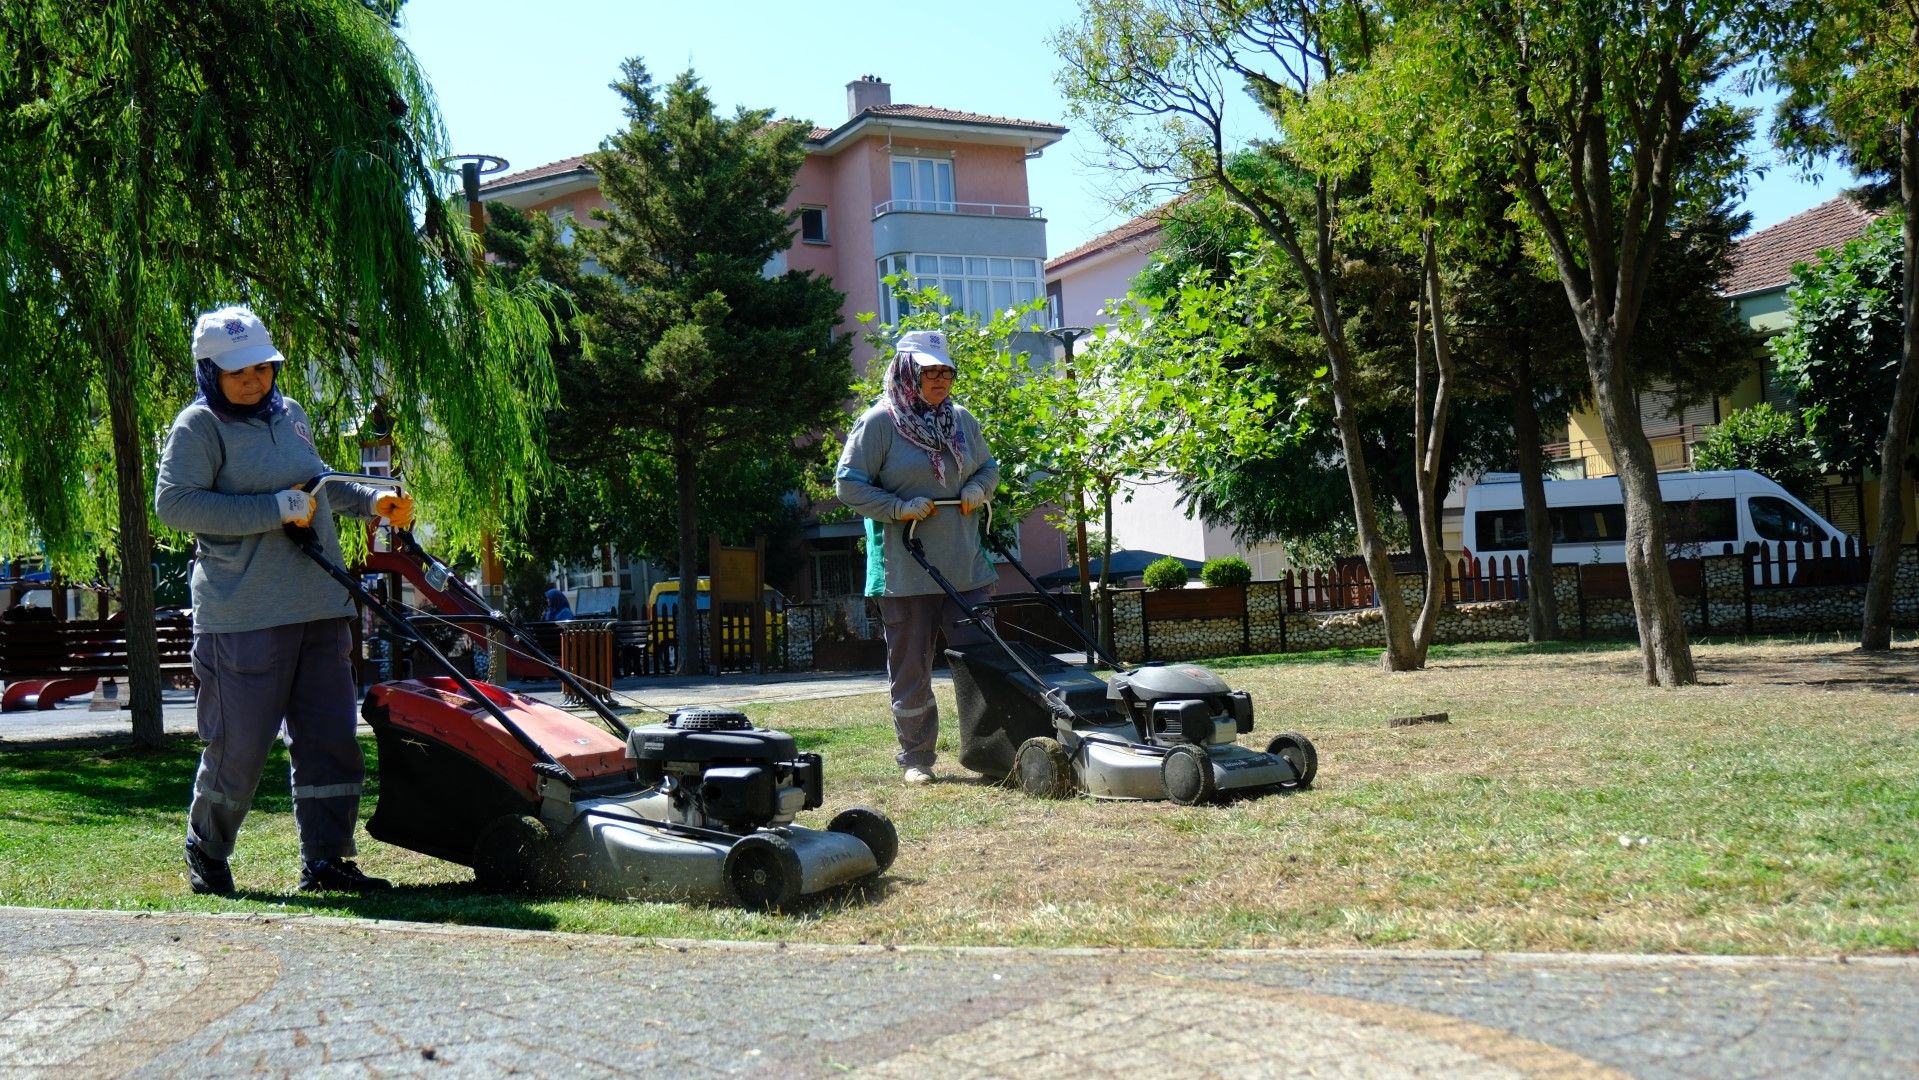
(296, 506)
(971, 498)
(916, 509)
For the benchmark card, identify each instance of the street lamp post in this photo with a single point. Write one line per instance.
(470, 168)
(1067, 336)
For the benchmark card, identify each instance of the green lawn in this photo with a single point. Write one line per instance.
(1566, 806)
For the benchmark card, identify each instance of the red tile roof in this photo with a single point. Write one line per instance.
(909, 112)
(930, 112)
(539, 172)
(1765, 259)
(1144, 225)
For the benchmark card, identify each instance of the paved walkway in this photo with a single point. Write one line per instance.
(91, 993)
(72, 722)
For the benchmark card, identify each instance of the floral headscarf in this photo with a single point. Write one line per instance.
(929, 427)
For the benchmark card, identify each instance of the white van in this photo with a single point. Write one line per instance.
(1707, 513)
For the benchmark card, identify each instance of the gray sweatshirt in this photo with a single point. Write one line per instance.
(880, 472)
(217, 480)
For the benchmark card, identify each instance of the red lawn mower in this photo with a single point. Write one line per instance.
(535, 798)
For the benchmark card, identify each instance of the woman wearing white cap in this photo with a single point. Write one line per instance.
(271, 639)
(917, 445)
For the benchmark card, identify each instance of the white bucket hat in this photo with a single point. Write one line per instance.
(927, 347)
(233, 338)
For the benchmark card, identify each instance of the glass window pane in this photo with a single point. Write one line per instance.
(902, 179)
(1002, 295)
(955, 290)
(923, 184)
(1025, 292)
(944, 174)
(1002, 267)
(1026, 267)
(952, 265)
(1777, 519)
(976, 299)
(926, 264)
(976, 267)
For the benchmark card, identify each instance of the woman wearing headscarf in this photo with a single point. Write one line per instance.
(918, 444)
(271, 630)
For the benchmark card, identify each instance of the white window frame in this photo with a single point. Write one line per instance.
(917, 170)
(987, 284)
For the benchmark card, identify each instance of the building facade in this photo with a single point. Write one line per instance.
(931, 195)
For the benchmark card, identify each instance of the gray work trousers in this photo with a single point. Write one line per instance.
(249, 682)
(910, 623)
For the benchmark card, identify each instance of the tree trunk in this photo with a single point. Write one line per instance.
(136, 552)
(1542, 607)
(687, 622)
(1103, 630)
(1876, 634)
(1427, 450)
(1663, 649)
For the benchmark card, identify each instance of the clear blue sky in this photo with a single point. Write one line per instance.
(528, 81)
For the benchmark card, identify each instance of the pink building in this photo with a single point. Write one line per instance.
(1085, 285)
(934, 194)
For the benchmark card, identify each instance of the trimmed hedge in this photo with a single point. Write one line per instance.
(1167, 573)
(1225, 570)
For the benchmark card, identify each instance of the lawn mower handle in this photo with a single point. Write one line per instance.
(977, 613)
(993, 542)
(913, 525)
(404, 627)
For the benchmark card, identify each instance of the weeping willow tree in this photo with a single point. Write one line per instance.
(161, 157)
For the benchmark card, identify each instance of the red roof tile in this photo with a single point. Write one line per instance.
(1765, 259)
(930, 112)
(1141, 226)
(539, 172)
(911, 112)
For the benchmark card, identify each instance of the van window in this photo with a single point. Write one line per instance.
(1698, 521)
(1691, 521)
(1505, 530)
(1776, 519)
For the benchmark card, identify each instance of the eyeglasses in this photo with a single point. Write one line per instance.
(945, 373)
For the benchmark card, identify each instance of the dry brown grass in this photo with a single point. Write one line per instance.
(1771, 808)
(1566, 806)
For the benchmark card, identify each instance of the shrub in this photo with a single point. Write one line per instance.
(1764, 440)
(1167, 573)
(1226, 570)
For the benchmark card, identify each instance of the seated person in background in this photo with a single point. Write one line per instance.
(557, 609)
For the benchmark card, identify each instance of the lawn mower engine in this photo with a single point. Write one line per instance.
(1182, 704)
(714, 769)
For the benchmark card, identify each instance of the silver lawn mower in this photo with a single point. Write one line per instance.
(1156, 731)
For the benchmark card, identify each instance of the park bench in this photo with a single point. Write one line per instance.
(44, 663)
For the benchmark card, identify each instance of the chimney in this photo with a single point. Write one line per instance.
(865, 92)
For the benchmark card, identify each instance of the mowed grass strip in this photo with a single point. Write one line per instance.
(1565, 807)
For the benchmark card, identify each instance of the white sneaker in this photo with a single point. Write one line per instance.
(918, 774)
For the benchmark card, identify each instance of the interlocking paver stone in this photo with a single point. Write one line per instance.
(88, 993)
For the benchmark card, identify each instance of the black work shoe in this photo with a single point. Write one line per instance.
(337, 875)
(206, 874)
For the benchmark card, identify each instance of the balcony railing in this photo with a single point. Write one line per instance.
(1671, 451)
(937, 206)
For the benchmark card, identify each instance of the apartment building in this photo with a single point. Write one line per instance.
(936, 195)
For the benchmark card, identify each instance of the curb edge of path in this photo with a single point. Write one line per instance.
(1458, 956)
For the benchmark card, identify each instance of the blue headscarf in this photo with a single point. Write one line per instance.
(207, 374)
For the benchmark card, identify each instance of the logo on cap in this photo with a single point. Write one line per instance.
(235, 328)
